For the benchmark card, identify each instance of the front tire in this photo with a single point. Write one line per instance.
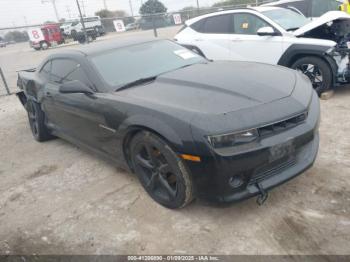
(36, 119)
(317, 70)
(161, 172)
(44, 45)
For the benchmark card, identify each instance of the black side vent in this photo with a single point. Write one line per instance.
(282, 125)
(271, 170)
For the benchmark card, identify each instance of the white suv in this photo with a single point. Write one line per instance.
(275, 35)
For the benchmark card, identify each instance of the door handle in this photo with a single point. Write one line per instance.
(237, 40)
(198, 40)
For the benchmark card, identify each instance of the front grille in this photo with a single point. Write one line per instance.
(282, 125)
(271, 170)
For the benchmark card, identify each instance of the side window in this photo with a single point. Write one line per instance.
(319, 7)
(64, 70)
(46, 70)
(247, 24)
(220, 24)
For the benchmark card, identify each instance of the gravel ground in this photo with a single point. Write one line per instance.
(58, 199)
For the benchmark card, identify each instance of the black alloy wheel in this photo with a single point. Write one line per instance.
(317, 71)
(33, 118)
(36, 118)
(160, 171)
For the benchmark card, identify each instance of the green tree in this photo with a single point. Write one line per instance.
(17, 36)
(49, 22)
(153, 7)
(233, 3)
(104, 13)
(108, 17)
(188, 12)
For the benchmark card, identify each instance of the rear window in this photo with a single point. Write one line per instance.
(46, 70)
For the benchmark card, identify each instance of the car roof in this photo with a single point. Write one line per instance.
(266, 8)
(105, 46)
(229, 11)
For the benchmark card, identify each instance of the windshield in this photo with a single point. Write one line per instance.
(125, 65)
(288, 19)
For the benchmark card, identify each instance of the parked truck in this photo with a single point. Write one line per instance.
(41, 38)
(72, 28)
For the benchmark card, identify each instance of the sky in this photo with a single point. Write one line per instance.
(29, 12)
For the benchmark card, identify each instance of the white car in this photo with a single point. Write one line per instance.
(276, 36)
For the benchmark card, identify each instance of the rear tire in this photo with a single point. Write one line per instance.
(97, 30)
(161, 172)
(74, 35)
(36, 119)
(317, 70)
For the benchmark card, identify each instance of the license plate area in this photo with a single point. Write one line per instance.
(284, 150)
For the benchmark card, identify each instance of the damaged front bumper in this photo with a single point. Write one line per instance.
(341, 57)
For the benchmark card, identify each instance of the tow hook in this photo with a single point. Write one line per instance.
(262, 197)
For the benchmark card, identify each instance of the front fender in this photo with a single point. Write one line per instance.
(299, 50)
(171, 133)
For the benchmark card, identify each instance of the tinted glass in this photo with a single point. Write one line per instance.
(220, 24)
(247, 24)
(127, 64)
(197, 26)
(320, 7)
(64, 70)
(288, 19)
(45, 71)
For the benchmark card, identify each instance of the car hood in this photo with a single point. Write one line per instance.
(324, 19)
(217, 87)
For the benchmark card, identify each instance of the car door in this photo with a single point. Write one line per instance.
(78, 116)
(47, 102)
(247, 45)
(213, 38)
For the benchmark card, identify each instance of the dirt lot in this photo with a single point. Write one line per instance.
(58, 199)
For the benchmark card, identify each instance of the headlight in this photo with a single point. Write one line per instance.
(233, 139)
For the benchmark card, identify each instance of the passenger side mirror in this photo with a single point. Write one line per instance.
(74, 87)
(266, 31)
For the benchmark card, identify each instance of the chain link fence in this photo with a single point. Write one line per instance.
(4, 89)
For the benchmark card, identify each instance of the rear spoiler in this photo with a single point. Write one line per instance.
(27, 70)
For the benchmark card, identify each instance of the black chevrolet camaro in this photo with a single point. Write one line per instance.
(188, 127)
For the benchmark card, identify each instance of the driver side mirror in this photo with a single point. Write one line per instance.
(267, 31)
(74, 87)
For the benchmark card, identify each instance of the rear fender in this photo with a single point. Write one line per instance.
(22, 98)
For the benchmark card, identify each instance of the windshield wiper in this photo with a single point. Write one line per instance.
(137, 82)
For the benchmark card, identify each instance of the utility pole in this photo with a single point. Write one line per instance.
(53, 2)
(105, 4)
(83, 7)
(68, 11)
(131, 9)
(82, 22)
(25, 20)
(198, 6)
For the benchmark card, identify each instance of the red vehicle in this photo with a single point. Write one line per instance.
(45, 36)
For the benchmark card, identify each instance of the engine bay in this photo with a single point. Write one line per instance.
(339, 32)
